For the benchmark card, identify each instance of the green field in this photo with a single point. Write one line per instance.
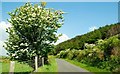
(0, 68)
(52, 67)
(19, 67)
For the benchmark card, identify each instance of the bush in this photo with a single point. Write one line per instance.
(105, 55)
(62, 54)
(70, 55)
(81, 56)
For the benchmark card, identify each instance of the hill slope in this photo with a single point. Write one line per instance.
(103, 54)
(91, 37)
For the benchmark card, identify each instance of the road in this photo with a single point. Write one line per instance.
(64, 66)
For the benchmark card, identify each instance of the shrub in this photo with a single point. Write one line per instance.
(76, 52)
(92, 57)
(62, 54)
(58, 55)
(81, 56)
(105, 55)
(70, 55)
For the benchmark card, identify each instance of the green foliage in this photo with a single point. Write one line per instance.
(87, 67)
(103, 54)
(91, 37)
(51, 67)
(81, 55)
(33, 31)
(99, 48)
(70, 55)
(19, 67)
(62, 54)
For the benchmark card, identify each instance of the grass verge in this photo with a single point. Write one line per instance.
(52, 67)
(18, 67)
(89, 68)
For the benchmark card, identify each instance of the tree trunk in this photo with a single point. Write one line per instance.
(36, 63)
(46, 59)
(39, 61)
(42, 61)
(12, 66)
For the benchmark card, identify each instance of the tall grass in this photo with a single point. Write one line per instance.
(51, 67)
(19, 67)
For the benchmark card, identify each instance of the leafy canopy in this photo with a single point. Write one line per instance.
(33, 31)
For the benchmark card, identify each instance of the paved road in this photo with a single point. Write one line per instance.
(64, 66)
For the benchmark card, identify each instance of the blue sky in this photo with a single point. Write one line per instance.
(81, 17)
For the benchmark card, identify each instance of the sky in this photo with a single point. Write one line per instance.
(81, 17)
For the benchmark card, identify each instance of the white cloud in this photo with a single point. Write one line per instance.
(92, 28)
(62, 38)
(3, 26)
(3, 36)
(2, 50)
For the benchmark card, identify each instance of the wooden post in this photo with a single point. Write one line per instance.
(42, 61)
(12, 66)
(36, 63)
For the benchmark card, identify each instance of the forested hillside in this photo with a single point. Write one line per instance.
(99, 48)
(91, 37)
(103, 54)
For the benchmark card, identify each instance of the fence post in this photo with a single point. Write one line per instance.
(12, 66)
(43, 61)
(36, 63)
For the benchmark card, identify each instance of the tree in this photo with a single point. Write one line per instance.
(33, 31)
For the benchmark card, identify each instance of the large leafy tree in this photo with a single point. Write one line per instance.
(33, 31)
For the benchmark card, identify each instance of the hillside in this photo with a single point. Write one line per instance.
(99, 48)
(91, 37)
(103, 54)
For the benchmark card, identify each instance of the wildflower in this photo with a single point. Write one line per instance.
(14, 18)
(90, 54)
(16, 57)
(16, 46)
(33, 14)
(21, 44)
(94, 49)
(13, 55)
(38, 6)
(35, 8)
(29, 18)
(26, 44)
(35, 24)
(22, 50)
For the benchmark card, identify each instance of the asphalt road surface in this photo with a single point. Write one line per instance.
(64, 66)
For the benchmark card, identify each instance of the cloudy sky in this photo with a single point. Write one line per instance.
(81, 17)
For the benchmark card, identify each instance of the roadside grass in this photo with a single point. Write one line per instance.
(22, 67)
(51, 67)
(89, 68)
(0, 68)
(19, 67)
